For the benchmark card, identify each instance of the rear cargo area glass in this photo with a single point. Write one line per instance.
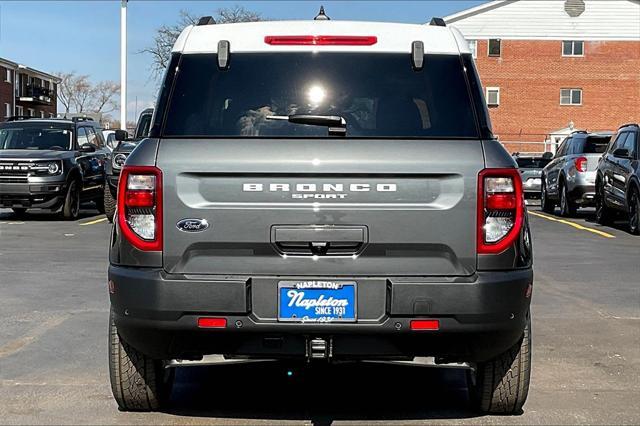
(378, 94)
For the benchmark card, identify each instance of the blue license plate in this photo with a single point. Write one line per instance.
(317, 301)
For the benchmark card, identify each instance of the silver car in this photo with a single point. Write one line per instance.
(569, 179)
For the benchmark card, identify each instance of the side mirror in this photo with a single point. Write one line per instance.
(622, 153)
(121, 135)
(87, 147)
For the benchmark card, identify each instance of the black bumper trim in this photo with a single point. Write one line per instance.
(479, 317)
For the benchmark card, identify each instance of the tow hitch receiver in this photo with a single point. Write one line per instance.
(318, 349)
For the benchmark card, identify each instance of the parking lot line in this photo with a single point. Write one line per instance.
(575, 225)
(93, 222)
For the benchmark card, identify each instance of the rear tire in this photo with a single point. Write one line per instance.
(546, 204)
(18, 211)
(109, 203)
(71, 207)
(138, 382)
(567, 208)
(502, 384)
(634, 212)
(603, 213)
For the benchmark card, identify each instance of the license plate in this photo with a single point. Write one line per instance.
(317, 301)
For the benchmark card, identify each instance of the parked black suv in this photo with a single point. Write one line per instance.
(118, 158)
(617, 182)
(51, 164)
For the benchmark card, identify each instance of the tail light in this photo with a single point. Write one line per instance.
(500, 209)
(321, 40)
(140, 206)
(581, 164)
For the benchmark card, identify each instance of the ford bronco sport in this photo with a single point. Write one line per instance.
(51, 164)
(321, 191)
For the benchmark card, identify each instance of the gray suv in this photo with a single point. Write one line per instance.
(290, 205)
(570, 178)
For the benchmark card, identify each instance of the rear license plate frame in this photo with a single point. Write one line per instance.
(327, 286)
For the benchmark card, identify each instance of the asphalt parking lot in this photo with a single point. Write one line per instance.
(53, 343)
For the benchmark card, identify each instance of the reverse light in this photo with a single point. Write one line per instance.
(320, 40)
(500, 209)
(581, 164)
(207, 322)
(140, 207)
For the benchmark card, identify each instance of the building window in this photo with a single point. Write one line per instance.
(50, 115)
(7, 110)
(495, 47)
(493, 96)
(7, 75)
(32, 112)
(572, 48)
(570, 96)
(473, 46)
(41, 114)
(19, 110)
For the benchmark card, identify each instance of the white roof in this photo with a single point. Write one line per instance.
(249, 37)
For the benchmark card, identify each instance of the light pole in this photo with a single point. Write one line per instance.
(123, 64)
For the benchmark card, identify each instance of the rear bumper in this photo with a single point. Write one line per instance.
(584, 195)
(46, 195)
(480, 316)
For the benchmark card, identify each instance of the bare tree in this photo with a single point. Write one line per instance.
(77, 92)
(104, 94)
(166, 35)
(66, 89)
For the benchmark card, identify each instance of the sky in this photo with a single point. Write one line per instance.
(84, 35)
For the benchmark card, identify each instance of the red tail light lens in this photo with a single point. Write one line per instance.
(581, 164)
(140, 206)
(321, 40)
(500, 209)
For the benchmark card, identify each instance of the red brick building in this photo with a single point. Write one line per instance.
(553, 66)
(26, 91)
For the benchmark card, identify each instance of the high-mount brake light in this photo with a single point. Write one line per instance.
(320, 40)
(500, 209)
(140, 207)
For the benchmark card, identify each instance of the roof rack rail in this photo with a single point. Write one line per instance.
(18, 118)
(206, 20)
(629, 125)
(78, 119)
(438, 22)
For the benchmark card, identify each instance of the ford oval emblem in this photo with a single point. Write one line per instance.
(192, 225)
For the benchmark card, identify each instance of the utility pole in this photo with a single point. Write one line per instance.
(123, 64)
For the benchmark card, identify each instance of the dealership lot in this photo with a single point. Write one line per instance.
(53, 342)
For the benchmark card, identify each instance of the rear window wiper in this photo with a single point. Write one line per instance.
(337, 125)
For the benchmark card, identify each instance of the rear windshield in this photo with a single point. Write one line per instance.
(593, 145)
(532, 163)
(378, 95)
(35, 136)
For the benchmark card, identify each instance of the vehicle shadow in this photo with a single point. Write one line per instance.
(322, 394)
(42, 216)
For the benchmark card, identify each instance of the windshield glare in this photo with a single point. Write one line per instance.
(35, 138)
(378, 95)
